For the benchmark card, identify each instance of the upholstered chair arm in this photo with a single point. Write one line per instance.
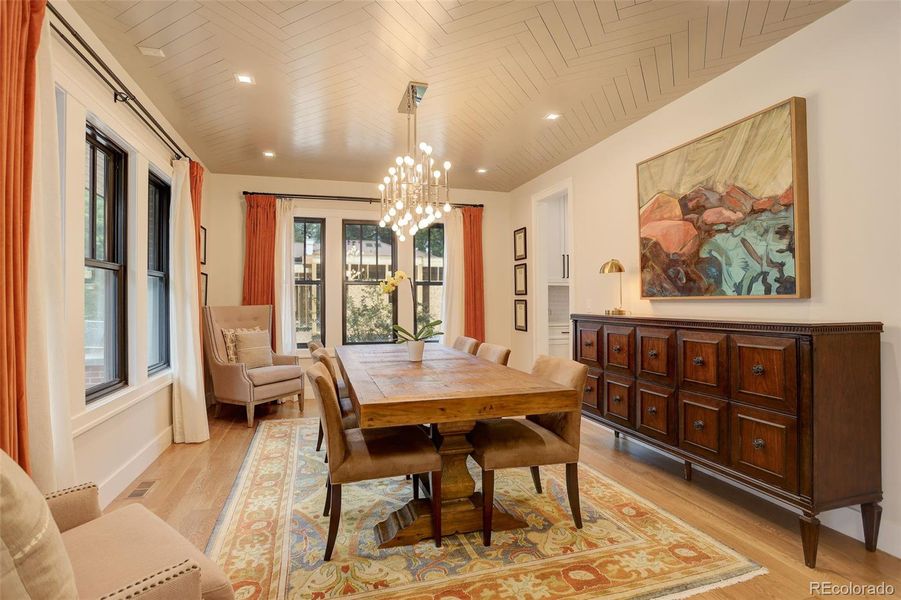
(284, 359)
(180, 581)
(230, 381)
(74, 506)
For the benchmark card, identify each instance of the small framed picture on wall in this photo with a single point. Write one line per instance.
(519, 244)
(204, 286)
(202, 245)
(520, 315)
(520, 279)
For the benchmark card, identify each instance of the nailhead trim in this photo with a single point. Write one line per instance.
(146, 584)
(77, 488)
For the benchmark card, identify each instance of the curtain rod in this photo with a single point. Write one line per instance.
(366, 199)
(121, 93)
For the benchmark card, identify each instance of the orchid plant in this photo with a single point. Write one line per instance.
(427, 331)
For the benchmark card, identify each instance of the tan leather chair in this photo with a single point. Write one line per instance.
(535, 440)
(61, 546)
(348, 416)
(362, 454)
(313, 346)
(234, 383)
(495, 353)
(466, 344)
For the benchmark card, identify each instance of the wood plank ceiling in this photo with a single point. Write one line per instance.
(329, 75)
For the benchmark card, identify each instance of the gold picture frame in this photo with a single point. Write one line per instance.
(725, 215)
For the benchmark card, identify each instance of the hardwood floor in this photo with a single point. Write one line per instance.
(194, 481)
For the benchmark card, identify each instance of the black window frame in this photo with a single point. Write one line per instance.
(161, 260)
(346, 283)
(116, 248)
(425, 283)
(321, 281)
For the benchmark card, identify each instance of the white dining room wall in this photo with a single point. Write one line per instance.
(224, 217)
(116, 437)
(848, 67)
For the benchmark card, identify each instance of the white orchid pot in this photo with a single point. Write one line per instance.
(415, 350)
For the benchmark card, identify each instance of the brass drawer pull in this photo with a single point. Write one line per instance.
(617, 398)
(652, 353)
(589, 389)
(699, 425)
(652, 410)
(617, 348)
(758, 443)
(757, 369)
(588, 343)
(698, 360)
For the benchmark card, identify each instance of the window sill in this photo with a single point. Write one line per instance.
(106, 408)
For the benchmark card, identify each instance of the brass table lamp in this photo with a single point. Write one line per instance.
(614, 266)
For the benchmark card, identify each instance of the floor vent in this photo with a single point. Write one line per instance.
(141, 489)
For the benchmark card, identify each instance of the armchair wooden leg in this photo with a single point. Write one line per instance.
(217, 409)
(435, 490)
(487, 505)
(333, 520)
(328, 497)
(572, 490)
(319, 437)
(249, 415)
(415, 486)
(536, 478)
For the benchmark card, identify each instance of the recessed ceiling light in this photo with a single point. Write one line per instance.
(244, 78)
(269, 154)
(147, 51)
(481, 170)
(551, 117)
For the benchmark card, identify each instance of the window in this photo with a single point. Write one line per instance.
(369, 256)
(428, 273)
(309, 280)
(157, 274)
(104, 266)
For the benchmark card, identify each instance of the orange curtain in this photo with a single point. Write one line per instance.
(196, 174)
(474, 290)
(20, 34)
(259, 253)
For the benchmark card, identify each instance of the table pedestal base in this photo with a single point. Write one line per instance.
(413, 521)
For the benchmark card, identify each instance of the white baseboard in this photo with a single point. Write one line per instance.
(113, 485)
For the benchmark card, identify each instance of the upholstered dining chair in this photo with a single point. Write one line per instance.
(235, 382)
(494, 352)
(313, 346)
(466, 344)
(348, 416)
(533, 441)
(363, 454)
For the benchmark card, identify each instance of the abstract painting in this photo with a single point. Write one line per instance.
(725, 215)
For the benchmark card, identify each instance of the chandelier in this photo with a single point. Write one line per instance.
(415, 192)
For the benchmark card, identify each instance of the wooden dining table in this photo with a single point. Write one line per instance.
(448, 390)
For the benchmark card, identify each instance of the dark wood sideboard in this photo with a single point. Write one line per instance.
(791, 410)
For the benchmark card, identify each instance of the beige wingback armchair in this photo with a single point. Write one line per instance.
(233, 382)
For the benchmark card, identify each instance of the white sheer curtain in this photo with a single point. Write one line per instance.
(49, 421)
(189, 420)
(452, 306)
(284, 277)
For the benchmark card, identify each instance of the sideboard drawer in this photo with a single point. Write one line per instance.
(588, 345)
(619, 400)
(656, 411)
(591, 393)
(765, 446)
(657, 354)
(619, 348)
(703, 362)
(704, 426)
(764, 372)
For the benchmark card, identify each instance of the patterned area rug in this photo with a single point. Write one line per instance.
(271, 535)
